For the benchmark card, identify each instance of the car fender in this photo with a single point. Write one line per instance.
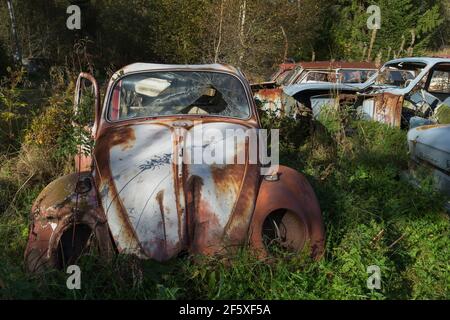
(69, 204)
(291, 192)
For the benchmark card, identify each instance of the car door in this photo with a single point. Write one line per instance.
(86, 115)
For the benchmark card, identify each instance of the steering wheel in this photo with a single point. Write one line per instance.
(407, 83)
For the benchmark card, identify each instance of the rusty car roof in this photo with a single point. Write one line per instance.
(337, 65)
(286, 66)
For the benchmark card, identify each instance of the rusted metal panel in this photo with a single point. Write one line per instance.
(384, 107)
(275, 100)
(156, 219)
(67, 201)
(270, 99)
(388, 109)
(293, 194)
(337, 65)
(83, 162)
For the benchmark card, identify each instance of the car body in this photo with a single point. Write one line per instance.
(402, 89)
(277, 78)
(429, 150)
(284, 70)
(319, 74)
(139, 193)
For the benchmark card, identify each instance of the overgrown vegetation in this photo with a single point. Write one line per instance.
(372, 218)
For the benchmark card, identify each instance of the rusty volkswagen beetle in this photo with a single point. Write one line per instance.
(138, 193)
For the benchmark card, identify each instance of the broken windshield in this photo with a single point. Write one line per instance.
(167, 93)
(399, 74)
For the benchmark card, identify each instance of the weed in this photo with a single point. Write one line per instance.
(372, 217)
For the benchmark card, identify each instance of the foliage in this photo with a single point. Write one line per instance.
(404, 24)
(11, 106)
(58, 133)
(3, 60)
(442, 114)
(372, 217)
(252, 35)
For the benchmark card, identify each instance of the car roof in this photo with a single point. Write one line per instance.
(140, 66)
(337, 65)
(427, 60)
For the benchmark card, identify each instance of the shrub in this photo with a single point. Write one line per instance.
(44, 151)
(11, 107)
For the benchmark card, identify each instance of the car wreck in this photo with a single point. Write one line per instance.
(320, 75)
(138, 191)
(429, 151)
(284, 70)
(404, 90)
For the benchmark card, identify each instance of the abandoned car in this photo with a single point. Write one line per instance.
(318, 74)
(403, 90)
(284, 70)
(429, 151)
(138, 191)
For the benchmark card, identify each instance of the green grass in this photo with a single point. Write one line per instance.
(372, 218)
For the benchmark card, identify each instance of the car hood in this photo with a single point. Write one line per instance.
(158, 203)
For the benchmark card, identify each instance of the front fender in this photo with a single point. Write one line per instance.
(292, 193)
(67, 205)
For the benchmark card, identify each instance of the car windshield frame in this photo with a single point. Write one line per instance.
(341, 71)
(116, 80)
(399, 67)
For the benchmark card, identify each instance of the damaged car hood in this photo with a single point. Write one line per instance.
(158, 202)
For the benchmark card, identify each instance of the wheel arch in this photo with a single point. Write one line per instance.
(291, 193)
(65, 203)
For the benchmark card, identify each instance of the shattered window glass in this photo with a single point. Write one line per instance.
(282, 77)
(400, 74)
(440, 82)
(293, 75)
(167, 93)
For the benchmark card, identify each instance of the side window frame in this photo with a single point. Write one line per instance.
(432, 73)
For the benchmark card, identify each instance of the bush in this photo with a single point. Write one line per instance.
(11, 107)
(48, 147)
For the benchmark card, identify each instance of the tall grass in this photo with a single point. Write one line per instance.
(372, 217)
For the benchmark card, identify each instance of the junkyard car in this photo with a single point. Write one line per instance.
(140, 193)
(402, 89)
(318, 74)
(283, 71)
(429, 150)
